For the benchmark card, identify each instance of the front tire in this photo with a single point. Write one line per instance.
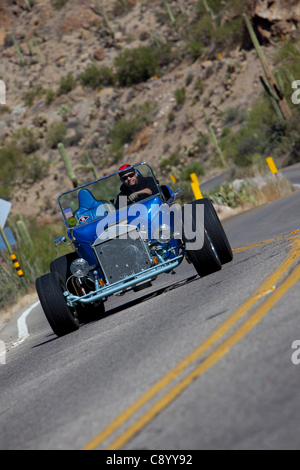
(62, 319)
(62, 265)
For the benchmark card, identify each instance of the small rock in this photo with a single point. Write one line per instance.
(206, 64)
(118, 37)
(99, 54)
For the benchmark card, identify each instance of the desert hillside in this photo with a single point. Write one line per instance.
(64, 66)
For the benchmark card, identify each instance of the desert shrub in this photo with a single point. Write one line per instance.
(97, 77)
(16, 166)
(137, 65)
(121, 7)
(36, 169)
(196, 49)
(58, 4)
(12, 164)
(194, 167)
(288, 56)
(229, 34)
(34, 259)
(230, 115)
(35, 92)
(180, 95)
(124, 130)
(167, 162)
(50, 96)
(56, 133)
(26, 140)
(4, 109)
(67, 84)
(260, 134)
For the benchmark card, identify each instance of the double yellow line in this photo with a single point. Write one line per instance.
(275, 291)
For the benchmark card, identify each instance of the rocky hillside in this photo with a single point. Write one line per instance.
(124, 108)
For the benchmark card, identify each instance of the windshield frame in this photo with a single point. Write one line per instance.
(86, 185)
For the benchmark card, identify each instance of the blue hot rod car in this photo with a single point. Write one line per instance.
(121, 245)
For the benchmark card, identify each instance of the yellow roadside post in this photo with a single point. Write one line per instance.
(272, 165)
(173, 179)
(14, 259)
(196, 186)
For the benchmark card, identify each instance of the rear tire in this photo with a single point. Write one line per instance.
(216, 231)
(205, 260)
(62, 319)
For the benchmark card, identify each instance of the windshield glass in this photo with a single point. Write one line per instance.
(98, 199)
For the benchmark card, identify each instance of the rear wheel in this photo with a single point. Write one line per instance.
(205, 259)
(216, 231)
(62, 319)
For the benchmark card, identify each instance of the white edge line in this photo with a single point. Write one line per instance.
(22, 326)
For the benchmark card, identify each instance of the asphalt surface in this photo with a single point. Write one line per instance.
(232, 385)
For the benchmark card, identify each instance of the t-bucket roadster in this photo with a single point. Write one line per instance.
(122, 246)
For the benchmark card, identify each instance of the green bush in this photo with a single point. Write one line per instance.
(12, 165)
(67, 84)
(173, 160)
(26, 140)
(194, 167)
(56, 133)
(34, 260)
(50, 96)
(124, 130)
(137, 65)
(180, 95)
(36, 169)
(97, 77)
(4, 109)
(15, 166)
(260, 134)
(58, 4)
(35, 92)
(196, 48)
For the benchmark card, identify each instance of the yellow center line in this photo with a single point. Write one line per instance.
(211, 360)
(206, 345)
(266, 242)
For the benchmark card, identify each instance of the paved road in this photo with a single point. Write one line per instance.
(189, 364)
(292, 173)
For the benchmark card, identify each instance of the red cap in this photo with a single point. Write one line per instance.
(126, 169)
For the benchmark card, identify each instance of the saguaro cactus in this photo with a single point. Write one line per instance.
(68, 165)
(211, 130)
(273, 85)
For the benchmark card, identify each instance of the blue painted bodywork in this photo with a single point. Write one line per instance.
(147, 215)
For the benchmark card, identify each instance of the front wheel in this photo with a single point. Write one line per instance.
(62, 319)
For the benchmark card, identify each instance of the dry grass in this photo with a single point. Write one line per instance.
(140, 141)
(261, 190)
(272, 188)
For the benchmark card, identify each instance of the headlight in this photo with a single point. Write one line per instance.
(163, 233)
(80, 268)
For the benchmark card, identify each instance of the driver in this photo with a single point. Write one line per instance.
(134, 184)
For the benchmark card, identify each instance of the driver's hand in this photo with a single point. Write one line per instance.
(133, 197)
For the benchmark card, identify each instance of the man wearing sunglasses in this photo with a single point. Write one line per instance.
(135, 186)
